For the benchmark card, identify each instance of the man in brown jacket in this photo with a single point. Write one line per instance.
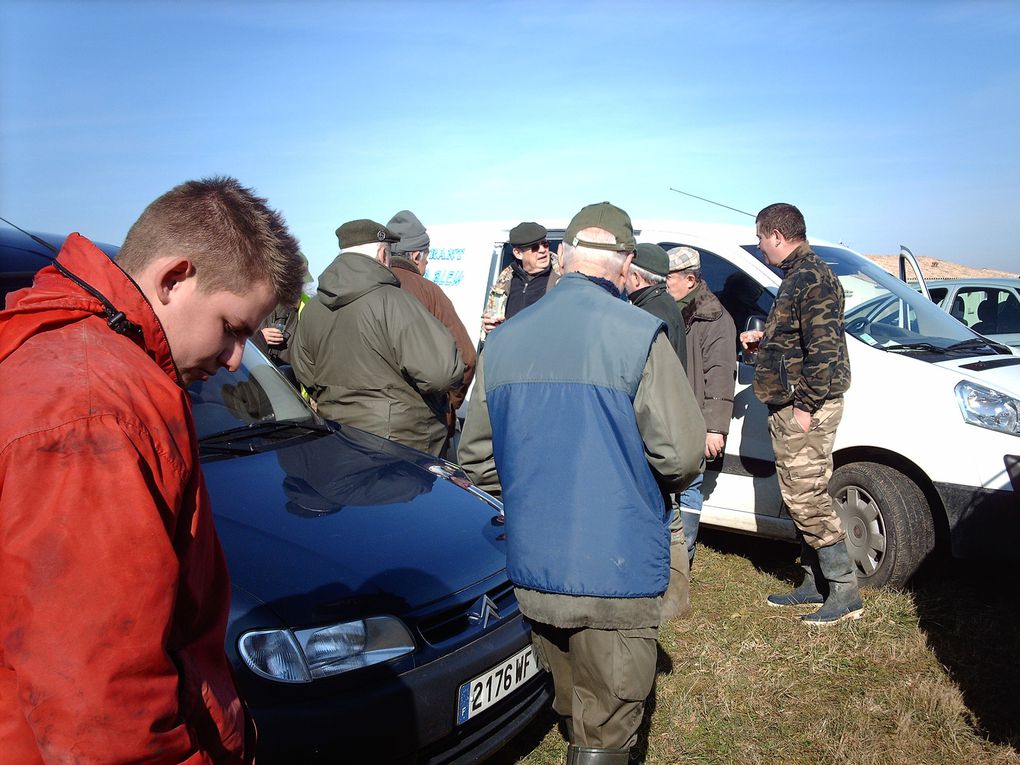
(408, 262)
(711, 368)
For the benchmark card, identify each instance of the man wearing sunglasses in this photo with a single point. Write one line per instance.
(532, 274)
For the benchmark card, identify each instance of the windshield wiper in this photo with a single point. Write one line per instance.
(270, 428)
(207, 449)
(978, 342)
(922, 346)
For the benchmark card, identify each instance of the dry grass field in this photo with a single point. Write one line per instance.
(930, 675)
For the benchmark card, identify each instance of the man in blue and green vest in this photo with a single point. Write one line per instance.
(583, 420)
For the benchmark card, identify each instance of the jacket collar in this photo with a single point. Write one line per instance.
(605, 284)
(518, 269)
(398, 261)
(53, 291)
(792, 260)
(646, 293)
(704, 305)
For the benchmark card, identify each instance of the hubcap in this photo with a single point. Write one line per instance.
(865, 529)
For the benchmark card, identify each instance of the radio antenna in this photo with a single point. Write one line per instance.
(719, 204)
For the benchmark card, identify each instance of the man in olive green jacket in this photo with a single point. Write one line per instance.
(369, 353)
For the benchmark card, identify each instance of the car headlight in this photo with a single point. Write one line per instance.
(300, 656)
(988, 408)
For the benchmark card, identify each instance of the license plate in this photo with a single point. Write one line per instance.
(475, 696)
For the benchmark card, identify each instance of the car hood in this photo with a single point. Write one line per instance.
(347, 524)
(999, 372)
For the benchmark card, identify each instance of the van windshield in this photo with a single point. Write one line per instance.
(886, 313)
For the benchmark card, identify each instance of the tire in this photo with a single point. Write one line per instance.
(889, 527)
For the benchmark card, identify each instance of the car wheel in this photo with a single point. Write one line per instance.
(889, 528)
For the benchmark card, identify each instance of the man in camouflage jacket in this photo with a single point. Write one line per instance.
(534, 271)
(801, 374)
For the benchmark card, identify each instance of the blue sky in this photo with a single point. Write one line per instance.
(886, 123)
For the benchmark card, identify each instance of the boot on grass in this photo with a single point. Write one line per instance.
(592, 755)
(812, 590)
(844, 599)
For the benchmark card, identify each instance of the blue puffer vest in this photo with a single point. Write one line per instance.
(584, 514)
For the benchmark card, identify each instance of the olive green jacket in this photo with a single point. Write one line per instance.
(802, 358)
(371, 356)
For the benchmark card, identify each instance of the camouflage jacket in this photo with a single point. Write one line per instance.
(495, 304)
(802, 358)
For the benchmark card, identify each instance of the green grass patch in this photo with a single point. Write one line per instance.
(928, 675)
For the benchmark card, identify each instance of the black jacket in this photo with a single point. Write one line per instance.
(658, 303)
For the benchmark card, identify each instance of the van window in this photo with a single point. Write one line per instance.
(740, 295)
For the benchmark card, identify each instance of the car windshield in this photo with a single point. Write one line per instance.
(887, 313)
(884, 312)
(255, 393)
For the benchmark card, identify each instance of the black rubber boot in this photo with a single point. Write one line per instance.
(844, 599)
(811, 591)
(590, 755)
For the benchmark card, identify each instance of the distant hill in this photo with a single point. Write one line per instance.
(937, 269)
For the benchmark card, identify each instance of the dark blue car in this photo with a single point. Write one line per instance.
(371, 619)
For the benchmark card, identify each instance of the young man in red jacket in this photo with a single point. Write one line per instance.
(113, 587)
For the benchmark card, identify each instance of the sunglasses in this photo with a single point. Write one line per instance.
(536, 246)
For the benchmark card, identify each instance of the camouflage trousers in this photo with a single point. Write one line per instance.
(602, 679)
(804, 467)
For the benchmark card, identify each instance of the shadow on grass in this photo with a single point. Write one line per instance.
(969, 612)
(525, 742)
(773, 557)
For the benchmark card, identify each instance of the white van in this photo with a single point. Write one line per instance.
(928, 452)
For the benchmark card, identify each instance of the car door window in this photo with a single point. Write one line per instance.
(1009, 313)
(983, 308)
(740, 295)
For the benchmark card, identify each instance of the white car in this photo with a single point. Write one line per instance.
(990, 307)
(928, 451)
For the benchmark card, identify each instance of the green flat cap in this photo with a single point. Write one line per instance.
(364, 231)
(526, 234)
(607, 217)
(652, 258)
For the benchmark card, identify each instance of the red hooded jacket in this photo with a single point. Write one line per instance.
(113, 587)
